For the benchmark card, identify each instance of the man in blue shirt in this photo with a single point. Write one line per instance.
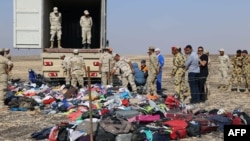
(192, 65)
(161, 63)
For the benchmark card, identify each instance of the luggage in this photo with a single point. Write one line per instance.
(179, 115)
(123, 137)
(70, 92)
(194, 129)
(105, 137)
(147, 118)
(172, 102)
(161, 136)
(220, 121)
(126, 113)
(206, 125)
(178, 128)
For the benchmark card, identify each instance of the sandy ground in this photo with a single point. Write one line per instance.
(19, 125)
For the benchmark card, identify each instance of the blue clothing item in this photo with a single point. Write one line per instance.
(161, 60)
(192, 63)
(32, 76)
(193, 80)
(158, 82)
(159, 76)
(138, 75)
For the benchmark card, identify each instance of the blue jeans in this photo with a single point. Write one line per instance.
(193, 80)
(158, 82)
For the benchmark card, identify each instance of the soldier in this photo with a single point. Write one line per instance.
(77, 69)
(55, 27)
(105, 65)
(153, 72)
(178, 72)
(5, 67)
(207, 85)
(224, 64)
(65, 67)
(86, 24)
(237, 71)
(8, 56)
(161, 64)
(125, 66)
(246, 69)
(7, 53)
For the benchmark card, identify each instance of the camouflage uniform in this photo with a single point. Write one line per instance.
(65, 66)
(152, 73)
(76, 65)
(236, 72)
(4, 64)
(246, 71)
(179, 74)
(106, 60)
(224, 63)
(126, 73)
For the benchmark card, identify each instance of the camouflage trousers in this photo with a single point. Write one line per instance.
(151, 82)
(105, 78)
(77, 76)
(236, 74)
(179, 82)
(3, 87)
(246, 79)
(129, 79)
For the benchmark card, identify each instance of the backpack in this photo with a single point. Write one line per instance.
(172, 102)
(178, 128)
(194, 129)
(245, 118)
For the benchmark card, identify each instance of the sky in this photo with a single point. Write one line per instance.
(134, 25)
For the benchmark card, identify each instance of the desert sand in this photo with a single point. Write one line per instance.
(16, 126)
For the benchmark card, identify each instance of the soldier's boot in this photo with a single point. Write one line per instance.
(229, 88)
(84, 46)
(246, 90)
(2, 106)
(238, 89)
(88, 46)
(59, 44)
(51, 44)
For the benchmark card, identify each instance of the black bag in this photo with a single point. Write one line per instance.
(194, 129)
(137, 135)
(63, 133)
(161, 136)
(245, 118)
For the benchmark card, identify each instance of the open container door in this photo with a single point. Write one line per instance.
(103, 23)
(27, 23)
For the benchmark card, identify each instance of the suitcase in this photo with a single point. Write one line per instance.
(178, 128)
(147, 118)
(206, 125)
(123, 137)
(126, 113)
(173, 116)
(70, 92)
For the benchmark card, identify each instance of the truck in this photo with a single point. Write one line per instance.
(32, 31)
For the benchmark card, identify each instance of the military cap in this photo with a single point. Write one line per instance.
(238, 51)
(75, 51)
(221, 49)
(115, 54)
(151, 48)
(244, 51)
(6, 49)
(1, 50)
(206, 52)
